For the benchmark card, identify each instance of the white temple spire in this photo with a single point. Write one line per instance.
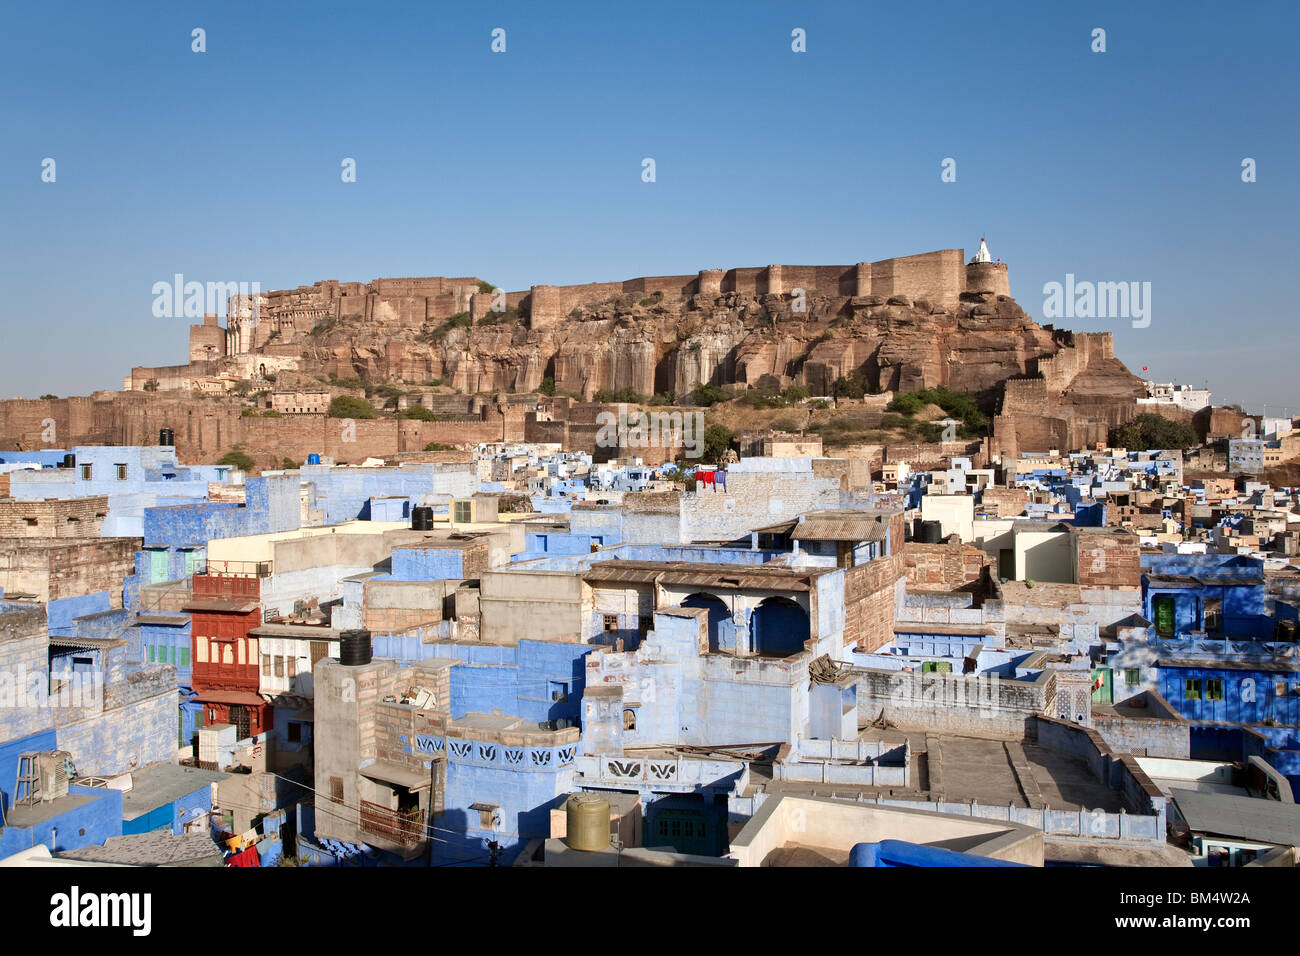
(983, 254)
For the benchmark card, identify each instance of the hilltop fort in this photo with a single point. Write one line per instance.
(476, 352)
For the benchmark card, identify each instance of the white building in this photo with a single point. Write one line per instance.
(1183, 396)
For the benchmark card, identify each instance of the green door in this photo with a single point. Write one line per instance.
(1164, 608)
(1102, 689)
(157, 566)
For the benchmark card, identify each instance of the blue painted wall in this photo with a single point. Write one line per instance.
(9, 751)
(90, 824)
(1248, 696)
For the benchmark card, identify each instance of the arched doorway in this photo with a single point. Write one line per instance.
(718, 612)
(778, 627)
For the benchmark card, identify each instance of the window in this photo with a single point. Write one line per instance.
(643, 624)
(1214, 689)
(290, 667)
(1280, 689)
(559, 691)
(629, 719)
(294, 732)
(279, 666)
(1132, 675)
(183, 656)
(1163, 609)
(336, 789)
(85, 473)
(1213, 615)
(610, 622)
(1192, 689)
(31, 522)
(266, 665)
(120, 468)
(462, 512)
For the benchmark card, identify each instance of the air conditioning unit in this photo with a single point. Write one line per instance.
(55, 769)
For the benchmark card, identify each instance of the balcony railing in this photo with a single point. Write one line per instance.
(406, 829)
(247, 569)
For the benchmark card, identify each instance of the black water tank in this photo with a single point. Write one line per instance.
(354, 647)
(426, 518)
(69, 460)
(166, 437)
(931, 532)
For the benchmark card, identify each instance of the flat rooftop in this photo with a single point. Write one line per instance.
(163, 783)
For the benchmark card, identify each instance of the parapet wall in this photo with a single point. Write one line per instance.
(939, 277)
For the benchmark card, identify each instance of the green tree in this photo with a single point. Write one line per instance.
(1153, 431)
(419, 413)
(236, 458)
(628, 396)
(288, 464)
(707, 395)
(548, 386)
(853, 386)
(48, 396)
(908, 403)
(349, 406)
(717, 442)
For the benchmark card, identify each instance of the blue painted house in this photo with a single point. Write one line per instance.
(1214, 595)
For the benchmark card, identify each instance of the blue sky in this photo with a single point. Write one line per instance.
(524, 167)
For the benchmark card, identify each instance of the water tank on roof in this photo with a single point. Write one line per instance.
(931, 532)
(422, 518)
(166, 437)
(313, 459)
(587, 822)
(69, 460)
(354, 647)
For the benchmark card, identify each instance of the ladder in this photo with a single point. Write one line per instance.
(28, 789)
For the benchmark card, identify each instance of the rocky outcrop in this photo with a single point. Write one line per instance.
(671, 343)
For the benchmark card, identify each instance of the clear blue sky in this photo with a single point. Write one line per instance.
(525, 167)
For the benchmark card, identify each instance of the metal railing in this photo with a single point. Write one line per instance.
(248, 569)
(403, 828)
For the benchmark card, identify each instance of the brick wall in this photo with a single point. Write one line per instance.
(1004, 502)
(70, 518)
(943, 567)
(871, 592)
(1107, 559)
(58, 568)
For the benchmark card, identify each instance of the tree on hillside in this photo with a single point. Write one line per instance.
(419, 413)
(349, 406)
(717, 442)
(236, 458)
(1153, 431)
